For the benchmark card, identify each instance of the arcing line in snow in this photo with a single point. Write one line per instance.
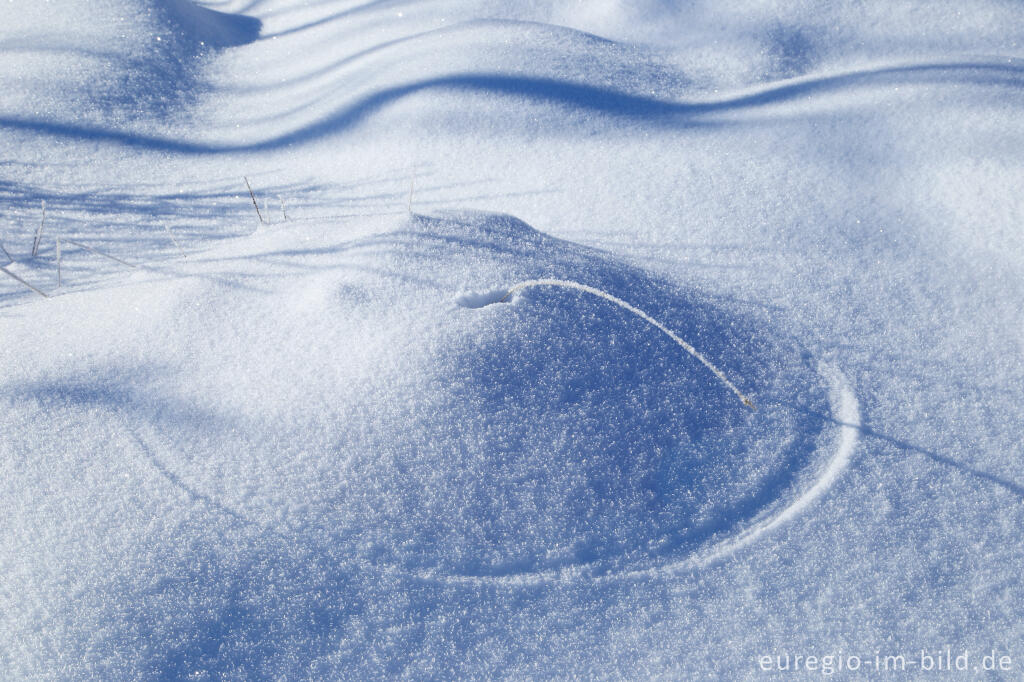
(567, 284)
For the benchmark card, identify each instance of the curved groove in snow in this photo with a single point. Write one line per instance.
(845, 412)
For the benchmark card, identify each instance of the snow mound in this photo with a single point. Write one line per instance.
(576, 435)
(287, 413)
(119, 62)
(211, 27)
(373, 404)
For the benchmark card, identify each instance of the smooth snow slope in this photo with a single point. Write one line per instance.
(304, 448)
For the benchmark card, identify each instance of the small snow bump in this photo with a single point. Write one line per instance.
(475, 299)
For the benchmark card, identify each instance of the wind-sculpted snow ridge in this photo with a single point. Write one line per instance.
(566, 105)
(785, 39)
(121, 62)
(208, 26)
(304, 416)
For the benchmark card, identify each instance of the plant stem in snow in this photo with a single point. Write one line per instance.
(567, 284)
(175, 241)
(100, 253)
(251, 194)
(39, 233)
(15, 277)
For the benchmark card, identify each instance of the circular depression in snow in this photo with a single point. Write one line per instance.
(439, 433)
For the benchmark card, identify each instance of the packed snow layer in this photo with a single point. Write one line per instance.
(318, 444)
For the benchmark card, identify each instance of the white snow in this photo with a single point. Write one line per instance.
(310, 445)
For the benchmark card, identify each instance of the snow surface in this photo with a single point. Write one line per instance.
(323, 444)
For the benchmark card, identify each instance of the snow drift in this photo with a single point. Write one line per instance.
(317, 445)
